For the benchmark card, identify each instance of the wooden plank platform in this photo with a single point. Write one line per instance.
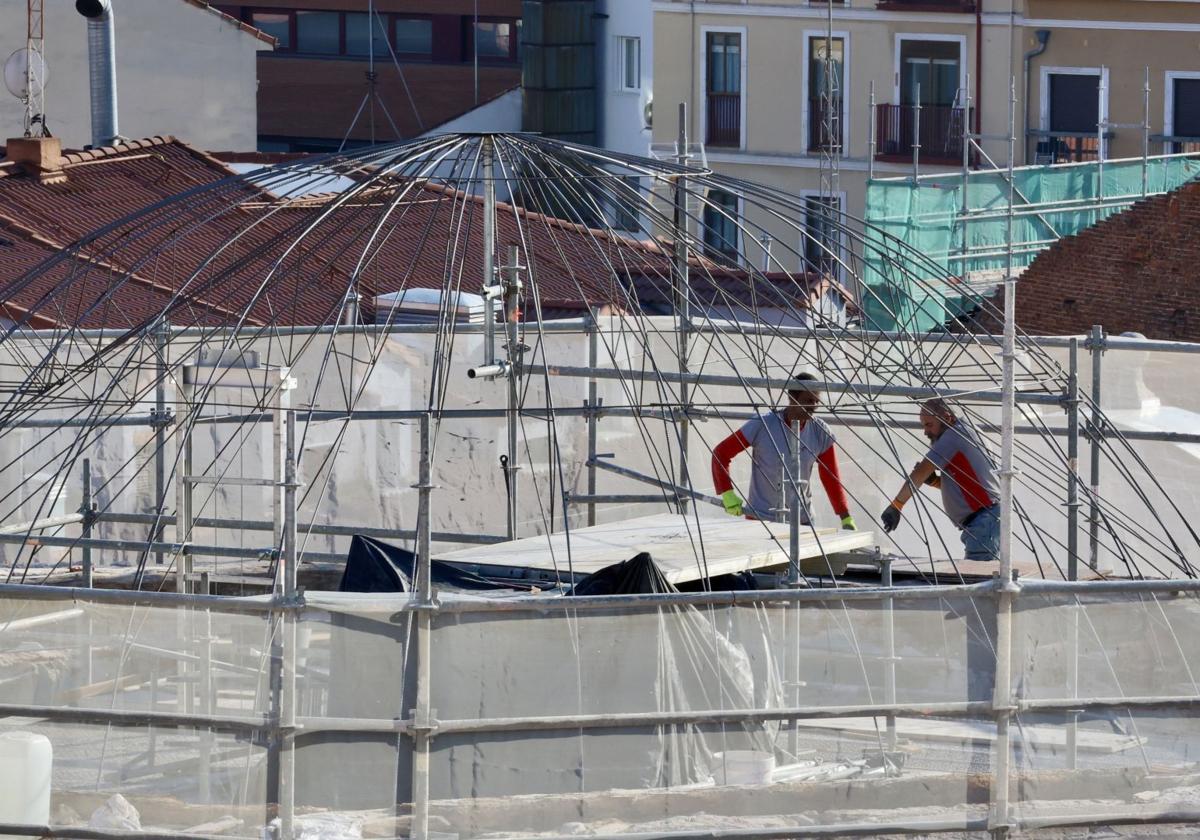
(675, 542)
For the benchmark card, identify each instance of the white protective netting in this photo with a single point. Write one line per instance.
(623, 719)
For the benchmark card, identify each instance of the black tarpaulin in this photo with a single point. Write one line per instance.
(635, 576)
(374, 566)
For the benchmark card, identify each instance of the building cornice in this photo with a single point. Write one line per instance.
(748, 10)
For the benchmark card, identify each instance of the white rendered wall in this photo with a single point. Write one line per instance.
(181, 70)
(622, 126)
(502, 114)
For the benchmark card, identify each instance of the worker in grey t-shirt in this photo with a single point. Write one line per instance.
(769, 437)
(970, 492)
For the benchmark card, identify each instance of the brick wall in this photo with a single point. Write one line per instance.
(1136, 271)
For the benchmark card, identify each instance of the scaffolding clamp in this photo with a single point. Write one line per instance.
(161, 419)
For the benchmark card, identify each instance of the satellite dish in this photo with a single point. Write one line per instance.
(16, 72)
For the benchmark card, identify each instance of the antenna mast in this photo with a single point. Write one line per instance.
(830, 99)
(35, 90)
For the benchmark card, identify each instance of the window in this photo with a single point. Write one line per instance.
(930, 69)
(276, 24)
(826, 79)
(721, 225)
(495, 40)
(1074, 102)
(626, 204)
(365, 34)
(723, 88)
(821, 245)
(414, 36)
(1183, 121)
(630, 63)
(318, 33)
(1071, 112)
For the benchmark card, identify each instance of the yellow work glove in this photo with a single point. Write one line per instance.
(733, 503)
(848, 523)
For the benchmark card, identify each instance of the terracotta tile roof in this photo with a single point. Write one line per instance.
(261, 263)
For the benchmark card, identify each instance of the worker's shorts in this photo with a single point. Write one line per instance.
(981, 534)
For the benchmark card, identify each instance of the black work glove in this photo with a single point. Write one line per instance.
(890, 518)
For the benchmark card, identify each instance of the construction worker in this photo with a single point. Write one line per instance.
(970, 492)
(767, 435)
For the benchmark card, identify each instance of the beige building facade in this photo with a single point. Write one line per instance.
(753, 77)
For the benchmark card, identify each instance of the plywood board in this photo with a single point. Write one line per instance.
(684, 549)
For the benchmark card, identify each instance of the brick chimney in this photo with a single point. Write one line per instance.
(40, 157)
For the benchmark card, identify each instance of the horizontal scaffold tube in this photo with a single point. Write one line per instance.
(860, 389)
(324, 530)
(258, 604)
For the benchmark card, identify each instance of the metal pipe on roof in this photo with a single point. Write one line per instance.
(102, 69)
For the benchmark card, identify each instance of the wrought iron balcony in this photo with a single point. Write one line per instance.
(1066, 146)
(939, 132)
(824, 136)
(724, 119)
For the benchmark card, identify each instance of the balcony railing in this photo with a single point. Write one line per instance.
(1065, 146)
(724, 119)
(1177, 144)
(940, 132)
(823, 136)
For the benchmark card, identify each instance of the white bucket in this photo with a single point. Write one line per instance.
(744, 767)
(25, 759)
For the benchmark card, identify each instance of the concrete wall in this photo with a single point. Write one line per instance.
(181, 70)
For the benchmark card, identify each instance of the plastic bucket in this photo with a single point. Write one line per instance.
(744, 767)
(25, 759)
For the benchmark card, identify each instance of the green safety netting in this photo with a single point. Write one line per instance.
(927, 215)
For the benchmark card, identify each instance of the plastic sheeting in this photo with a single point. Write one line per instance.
(515, 691)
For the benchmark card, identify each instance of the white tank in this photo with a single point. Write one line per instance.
(25, 759)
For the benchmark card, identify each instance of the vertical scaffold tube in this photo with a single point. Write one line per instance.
(682, 293)
(421, 728)
(1095, 441)
(1005, 588)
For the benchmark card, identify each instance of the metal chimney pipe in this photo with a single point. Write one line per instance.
(102, 69)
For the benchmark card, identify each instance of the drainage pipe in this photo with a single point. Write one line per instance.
(1043, 38)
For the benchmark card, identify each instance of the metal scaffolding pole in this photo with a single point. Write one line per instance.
(422, 715)
(85, 509)
(682, 302)
(872, 129)
(287, 684)
(490, 290)
(792, 655)
(183, 488)
(917, 135)
(592, 401)
(1072, 407)
(1005, 588)
(1096, 431)
(1146, 133)
(515, 369)
(889, 630)
(159, 418)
